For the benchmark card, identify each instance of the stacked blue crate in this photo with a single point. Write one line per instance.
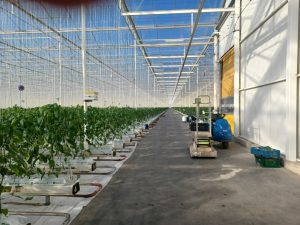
(265, 152)
(267, 157)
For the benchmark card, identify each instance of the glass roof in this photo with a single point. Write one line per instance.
(40, 47)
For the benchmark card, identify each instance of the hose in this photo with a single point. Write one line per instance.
(59, 214)
(98, 189)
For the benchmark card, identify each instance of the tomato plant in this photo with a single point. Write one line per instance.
(110, 123)
(29, 136)
(40, 135)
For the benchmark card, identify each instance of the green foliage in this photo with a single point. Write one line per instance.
(29, 136)
(109, 123)
(4, 212)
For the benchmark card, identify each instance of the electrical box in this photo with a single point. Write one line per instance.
(202, 100)
(90, 96)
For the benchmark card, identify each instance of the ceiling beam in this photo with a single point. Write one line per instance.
(172, 66)
(200, 9)
(100, 29)
(162, 78)
(171, 82)
(177, 11)
(172, 86)
(173, 56)
(138, 41)
(168, 40)
(166, 73)
(165, 45)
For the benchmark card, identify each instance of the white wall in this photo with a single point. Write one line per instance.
(263, 61)
(263, 117)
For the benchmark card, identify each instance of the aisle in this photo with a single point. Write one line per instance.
(149, 184)
(161, 185)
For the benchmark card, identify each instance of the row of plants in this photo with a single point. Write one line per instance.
(40, 135)
(191, 111)
(110, 123)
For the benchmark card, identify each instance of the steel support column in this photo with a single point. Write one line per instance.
(292, 69)
(237, 66)
(217, 77)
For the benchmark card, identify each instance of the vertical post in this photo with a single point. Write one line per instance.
(9, 89)
(292, 67)
(130, 94)
(20, 92)
(60, 72)
(197, 81)
(185, 98)
(209, 115)
(237, 66)
(84, 76)
(154, 91)
(54, 86)
(135, 75)
(113, 89)
(217, 78)
(197, 118)
(192, 22)
(148, 83)
(190, 92)
(119, 91)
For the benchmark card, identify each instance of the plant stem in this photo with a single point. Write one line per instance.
(1, 189)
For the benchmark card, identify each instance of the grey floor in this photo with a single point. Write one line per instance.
(161, 185)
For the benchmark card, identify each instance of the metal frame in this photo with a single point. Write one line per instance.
(99, 29)
(66, 42)
(178, 11)
(201, 5)
(173, 56)
(174, 43)
(167, 45)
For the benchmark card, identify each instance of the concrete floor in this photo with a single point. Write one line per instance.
(161, 185)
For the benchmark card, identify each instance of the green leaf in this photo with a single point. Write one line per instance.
(4, 211)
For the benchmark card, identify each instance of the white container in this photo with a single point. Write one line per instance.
(126, 138)
(184, 119)
(118, 144)
(80, 164)
(104, 149)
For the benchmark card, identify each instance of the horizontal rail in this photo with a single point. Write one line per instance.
(99, 29)
(172, 44)
(264, 21)
(173, 56)
(263, 85)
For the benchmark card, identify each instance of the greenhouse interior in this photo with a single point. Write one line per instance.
(144, 112)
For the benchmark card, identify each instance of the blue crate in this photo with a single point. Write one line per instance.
(255, 151)
(265, 152)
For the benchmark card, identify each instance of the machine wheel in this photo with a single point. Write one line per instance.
(225, 145)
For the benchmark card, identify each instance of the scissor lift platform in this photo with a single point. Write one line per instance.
(201, 147)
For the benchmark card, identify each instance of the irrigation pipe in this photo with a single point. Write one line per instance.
(57, 214)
